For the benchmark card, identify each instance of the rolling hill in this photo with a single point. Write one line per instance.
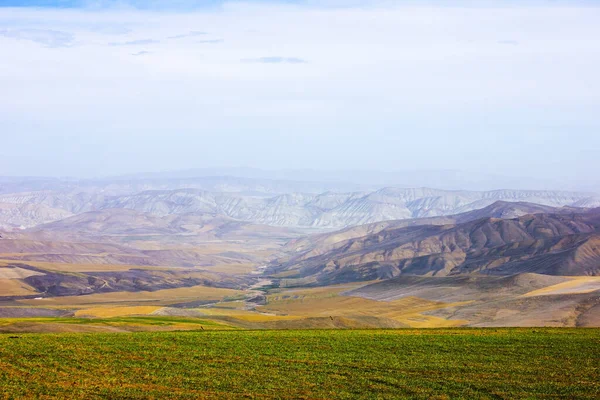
(122, 222)
(566, 243)
(324, 242)
(518, 300)
(425, 257)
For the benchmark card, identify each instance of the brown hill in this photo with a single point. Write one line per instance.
(94, 253)
(517, 300)
(47, 282)
(125, 222)
(313, 245)
(555, 244)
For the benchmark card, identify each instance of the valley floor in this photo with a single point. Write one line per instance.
(406, 363)
(525, 300)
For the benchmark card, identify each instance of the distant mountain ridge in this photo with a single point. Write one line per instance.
(326, 179)
(212, 183)
(327, 210)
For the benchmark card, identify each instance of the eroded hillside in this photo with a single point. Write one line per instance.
(555, 244)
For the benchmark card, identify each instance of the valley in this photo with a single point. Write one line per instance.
(117, 261)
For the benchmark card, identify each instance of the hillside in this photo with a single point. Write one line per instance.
(15, 216)
(201, 254)
(518, 300)
(553, 244)
(122, 222)
(321, 243)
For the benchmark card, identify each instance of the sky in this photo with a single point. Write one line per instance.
(98, 88)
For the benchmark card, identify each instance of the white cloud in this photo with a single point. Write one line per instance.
(382, 84)
(136, 42)
(275, 60)
(46, 37)
(187, 35)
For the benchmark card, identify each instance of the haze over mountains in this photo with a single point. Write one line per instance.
(34, 201)
(446, 257)
(394, 164)
(509, 264)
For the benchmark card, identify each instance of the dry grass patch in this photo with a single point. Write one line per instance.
(245, 315)
(113, 324)
(67, 267)
(17, 273)
(255, 317)
(109, 312)
(159, 297)
(575, 284)
(232, 269)
(14, 287)
(407, 310)
(229, 305)
(292, 295)
(429, 321)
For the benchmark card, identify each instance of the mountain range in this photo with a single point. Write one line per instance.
(561, 242)
(425, 256)
(277, 203)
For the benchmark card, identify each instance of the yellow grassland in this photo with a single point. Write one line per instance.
(159, 297)
(65, 267)
(407, 310)
(108, 312)
(84, 268)
(17, 273)
(230, 305)
(256, 317)
(575, 284)
(231, 269)
(286, 274)
(206, 247)
(246, 315)
(293, 295)
(41, 326)
(15, 287)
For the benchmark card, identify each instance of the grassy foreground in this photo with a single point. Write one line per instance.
(449, 363)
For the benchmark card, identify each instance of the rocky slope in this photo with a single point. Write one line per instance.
(50, 283)
(316, 244)
(552, 244)
(18, 216)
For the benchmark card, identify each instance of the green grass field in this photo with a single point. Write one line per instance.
(445, 363)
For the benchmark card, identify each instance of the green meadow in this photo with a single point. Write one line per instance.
(310, 364)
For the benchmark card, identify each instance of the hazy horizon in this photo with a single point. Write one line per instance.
(107, 88)
(341, 180)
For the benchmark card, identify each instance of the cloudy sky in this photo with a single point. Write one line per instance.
(91, 88)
